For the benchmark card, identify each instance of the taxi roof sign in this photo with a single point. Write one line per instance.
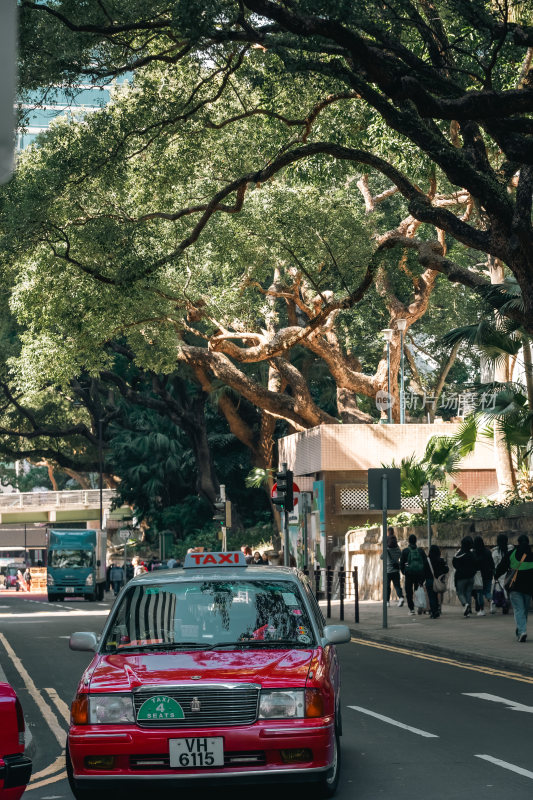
(196, 560)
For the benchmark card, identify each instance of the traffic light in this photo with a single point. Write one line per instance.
(223, 512)
(285, 498)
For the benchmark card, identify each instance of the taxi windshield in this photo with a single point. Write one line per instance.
(205, 614)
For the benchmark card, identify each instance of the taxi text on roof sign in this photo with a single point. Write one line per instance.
(195, 560)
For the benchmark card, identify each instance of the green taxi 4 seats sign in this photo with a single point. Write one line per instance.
(160, 707)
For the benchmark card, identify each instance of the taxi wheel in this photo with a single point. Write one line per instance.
(79, 794)
(327, 786)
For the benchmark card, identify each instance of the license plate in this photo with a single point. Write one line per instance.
(69, 589)
(191, 753)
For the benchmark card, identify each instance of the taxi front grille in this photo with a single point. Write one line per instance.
(245, 758)
(203, 706)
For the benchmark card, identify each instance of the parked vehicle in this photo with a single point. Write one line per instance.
(11, 577)
(76, 564)
(216, 673)
(15, 767)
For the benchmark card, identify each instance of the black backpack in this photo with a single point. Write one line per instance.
(415, 562)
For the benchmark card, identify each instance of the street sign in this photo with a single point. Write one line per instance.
(375, 488)
(124, 534)
(295, 492)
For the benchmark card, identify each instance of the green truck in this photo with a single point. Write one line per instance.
(76, 564)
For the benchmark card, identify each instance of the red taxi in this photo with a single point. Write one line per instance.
(218, 672)
(15, 767)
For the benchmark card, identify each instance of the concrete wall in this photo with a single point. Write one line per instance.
(365, 545)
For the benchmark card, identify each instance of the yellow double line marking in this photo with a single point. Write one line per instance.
(452, 662)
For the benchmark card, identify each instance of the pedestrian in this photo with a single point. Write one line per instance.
(413, 564)
(438, 567)
(520, 587)
(257, 558)
(27, 578)
(171, 563)
(465, 566)
(116, 576)
(128, 569)
(393, 568)
(247, 551)
(107, 578)
(138, 567)
(485, 565)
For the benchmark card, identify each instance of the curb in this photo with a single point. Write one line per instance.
(467, 657)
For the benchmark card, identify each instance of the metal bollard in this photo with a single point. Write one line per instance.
(329, 582)
(355, 576)
(317, 582)
(342, 587)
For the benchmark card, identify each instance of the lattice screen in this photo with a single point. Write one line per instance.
(355, 498)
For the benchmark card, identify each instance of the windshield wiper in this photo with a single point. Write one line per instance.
(157, 646)
(260, 643)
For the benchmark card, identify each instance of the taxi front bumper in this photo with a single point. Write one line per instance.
(251, 753)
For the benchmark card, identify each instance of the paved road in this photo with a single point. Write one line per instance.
(414, 724)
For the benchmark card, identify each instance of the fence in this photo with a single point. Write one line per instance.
(328, 582)
(83, 498)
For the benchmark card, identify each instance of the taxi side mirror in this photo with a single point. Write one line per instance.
(83, 640)
(337, 634)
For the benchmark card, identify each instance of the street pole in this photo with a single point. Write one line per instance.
(429, 514)
(224, 529)
(304, 498)
(25, 550)
(101, 469)
(389, 410)
(384, 503)
(402, 324)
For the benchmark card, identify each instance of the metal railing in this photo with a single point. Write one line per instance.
(328, 583)
(82, 498)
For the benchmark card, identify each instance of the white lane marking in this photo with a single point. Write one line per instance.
(46, 711)
(512, 705)
(506, 765)
(60, 704)
(394, 722)
(58, 764)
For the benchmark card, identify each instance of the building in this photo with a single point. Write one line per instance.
(331, 462)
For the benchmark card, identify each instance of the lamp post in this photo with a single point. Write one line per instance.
(387, 335)
(100, 470)
(401, 324)
(428, 492)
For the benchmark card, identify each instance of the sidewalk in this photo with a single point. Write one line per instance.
(489, 641)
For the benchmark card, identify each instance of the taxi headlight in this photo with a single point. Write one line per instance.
(110, 709)
(282, 704)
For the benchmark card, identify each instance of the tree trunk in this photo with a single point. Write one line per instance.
(505, 472)
(195, 427)
(528, 368)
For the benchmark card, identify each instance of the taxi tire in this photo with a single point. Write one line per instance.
(79, 794)
(327, 786)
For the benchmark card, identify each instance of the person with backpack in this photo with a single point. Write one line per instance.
(520, 587)
(413, 564)
(465, 566)
(485, 566)
(393, 568)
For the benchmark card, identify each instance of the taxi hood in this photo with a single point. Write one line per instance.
(269, 668)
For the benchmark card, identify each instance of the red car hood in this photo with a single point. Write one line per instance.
(268, 668)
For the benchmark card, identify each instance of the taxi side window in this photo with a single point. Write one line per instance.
(315, 608)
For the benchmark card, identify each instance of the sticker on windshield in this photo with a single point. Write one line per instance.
(304, 638)
(290, 599)
(297, 612)
(152, 590)
(160, 707)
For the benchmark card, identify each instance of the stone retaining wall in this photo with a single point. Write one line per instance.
(364, 545)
